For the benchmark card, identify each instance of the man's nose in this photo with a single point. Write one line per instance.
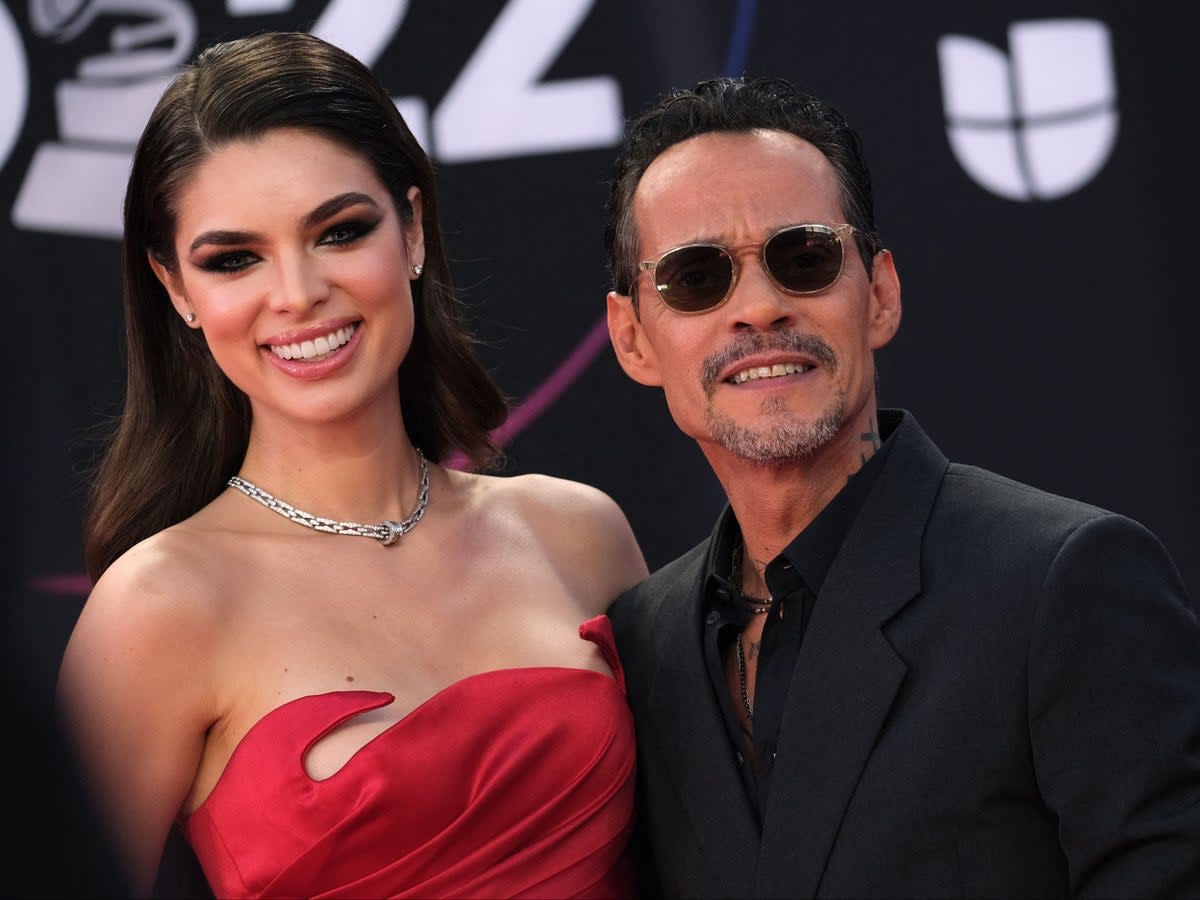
(756, 302)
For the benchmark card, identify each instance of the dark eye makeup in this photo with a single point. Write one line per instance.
(349, 231)
(340, 234)
(228, 261)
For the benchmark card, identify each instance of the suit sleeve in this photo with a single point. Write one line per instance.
(623, 613)
(1114, 709)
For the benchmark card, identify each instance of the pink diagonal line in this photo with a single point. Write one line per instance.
(541, 398)
(521, 418)
(553, 387)
(62, 584)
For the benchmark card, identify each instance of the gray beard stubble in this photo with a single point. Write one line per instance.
(785, 438)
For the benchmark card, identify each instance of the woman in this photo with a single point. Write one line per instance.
(340, 667)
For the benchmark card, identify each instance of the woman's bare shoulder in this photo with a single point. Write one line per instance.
(550, 501)
(579, 524)
(168, 585)
(143, 655)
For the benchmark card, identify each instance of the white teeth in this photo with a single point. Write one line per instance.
(768, 372)
(314, 350)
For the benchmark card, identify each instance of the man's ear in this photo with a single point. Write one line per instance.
(885, 309)
(634, 352)
(173, 284)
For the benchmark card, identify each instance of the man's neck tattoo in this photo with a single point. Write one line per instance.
(870, 437)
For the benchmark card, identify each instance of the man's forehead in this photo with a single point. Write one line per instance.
(726, 184)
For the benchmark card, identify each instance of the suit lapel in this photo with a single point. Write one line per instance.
(693, 746)
(847, 674)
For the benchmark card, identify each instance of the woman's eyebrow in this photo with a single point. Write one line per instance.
(335, 205)
(331, 207)
(223, 238)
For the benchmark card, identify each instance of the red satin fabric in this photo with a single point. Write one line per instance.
(511, 783)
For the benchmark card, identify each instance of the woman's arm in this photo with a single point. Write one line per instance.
(135, 698)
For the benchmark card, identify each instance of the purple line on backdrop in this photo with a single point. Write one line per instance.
(739, 42)
(544, 395)
(62, 584)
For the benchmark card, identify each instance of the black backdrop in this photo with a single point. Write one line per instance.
(1046, 321)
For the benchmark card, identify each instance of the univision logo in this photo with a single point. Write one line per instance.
(1040, 122)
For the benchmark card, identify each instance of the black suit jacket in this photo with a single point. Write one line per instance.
(998, 695)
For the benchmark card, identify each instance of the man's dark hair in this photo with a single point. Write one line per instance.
(732, 105)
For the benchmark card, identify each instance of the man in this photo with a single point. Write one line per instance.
(883, 674)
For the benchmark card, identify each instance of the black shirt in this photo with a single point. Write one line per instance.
(794, 579)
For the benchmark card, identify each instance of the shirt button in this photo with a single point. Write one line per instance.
(712, 617)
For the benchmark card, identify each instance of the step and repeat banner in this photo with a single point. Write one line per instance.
(1030, 177)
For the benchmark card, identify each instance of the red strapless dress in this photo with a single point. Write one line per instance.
(511, 783)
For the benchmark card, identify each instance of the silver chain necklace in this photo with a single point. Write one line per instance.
(741, 668)
(756, 605)
(386, 532)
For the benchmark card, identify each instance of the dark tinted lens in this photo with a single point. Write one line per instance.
(804, 259)
(692, 279)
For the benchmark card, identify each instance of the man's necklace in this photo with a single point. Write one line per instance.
(741, 668)
(386, 532)
(757, 606)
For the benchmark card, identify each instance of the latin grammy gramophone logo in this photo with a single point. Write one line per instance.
(499, 105)
(75, 184)
(1039, 122)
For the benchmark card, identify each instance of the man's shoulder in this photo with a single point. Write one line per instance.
(1006, 525)
(981, 512)
(976, 488)
(644, 598)
(968, 489)
(666, 577)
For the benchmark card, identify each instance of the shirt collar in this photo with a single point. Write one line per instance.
(812, 551)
